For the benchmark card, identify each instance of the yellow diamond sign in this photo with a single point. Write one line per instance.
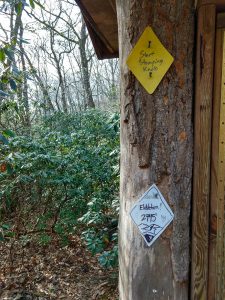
(149, 60)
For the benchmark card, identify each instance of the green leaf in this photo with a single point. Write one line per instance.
(32, 4)
(8, 133)
(4, 79)
(9, 169)
(19, 8)
(10, 234)
(3, 139)
(2, 55)
(4, 94)
(9, 53)
(1, 237)
(45, 239)
(5, 226)
(12, 84)
(24, 41)
(15, 71)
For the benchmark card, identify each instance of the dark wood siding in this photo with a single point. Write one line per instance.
(101, 20)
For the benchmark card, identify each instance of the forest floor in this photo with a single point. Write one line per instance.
(35, 272)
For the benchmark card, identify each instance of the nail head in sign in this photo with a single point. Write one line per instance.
(151, 214)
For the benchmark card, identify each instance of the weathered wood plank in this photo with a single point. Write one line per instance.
(220, 22)
(220, 247)
(212, 278)
(202, 150)
(220, 4)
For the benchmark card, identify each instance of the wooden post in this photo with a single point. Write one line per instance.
(212, 278)
(202, 150)
(156, 147)
(216, 285)
(220, 247)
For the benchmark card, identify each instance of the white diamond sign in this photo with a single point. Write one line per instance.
(151, 214)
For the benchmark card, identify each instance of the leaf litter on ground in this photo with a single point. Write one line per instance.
(52, 272)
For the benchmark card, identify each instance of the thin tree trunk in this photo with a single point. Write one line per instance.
(61, 81)
(25, 97)
(41, 84)
(84, 67)
(14, 31)
(75, 97)
(156, 147)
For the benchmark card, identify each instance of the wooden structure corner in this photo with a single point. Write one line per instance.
(101, 21)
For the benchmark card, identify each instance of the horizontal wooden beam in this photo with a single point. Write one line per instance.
(220, 4)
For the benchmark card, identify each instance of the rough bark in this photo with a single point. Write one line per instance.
(156, 147)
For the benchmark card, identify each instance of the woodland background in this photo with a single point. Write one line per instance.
(59, 149)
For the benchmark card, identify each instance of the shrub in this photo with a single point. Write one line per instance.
(62, 179)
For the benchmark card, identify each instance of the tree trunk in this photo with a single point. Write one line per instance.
(25, 96)
(58, 68)
(14, 31)
(89, 102)
(40, 83)
(156, 147)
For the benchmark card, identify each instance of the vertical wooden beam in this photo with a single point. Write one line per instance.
(220, 243)
(212, 278)
(202, 149)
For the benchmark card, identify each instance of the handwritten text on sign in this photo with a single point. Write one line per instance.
(151, 214)
(149, 60)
